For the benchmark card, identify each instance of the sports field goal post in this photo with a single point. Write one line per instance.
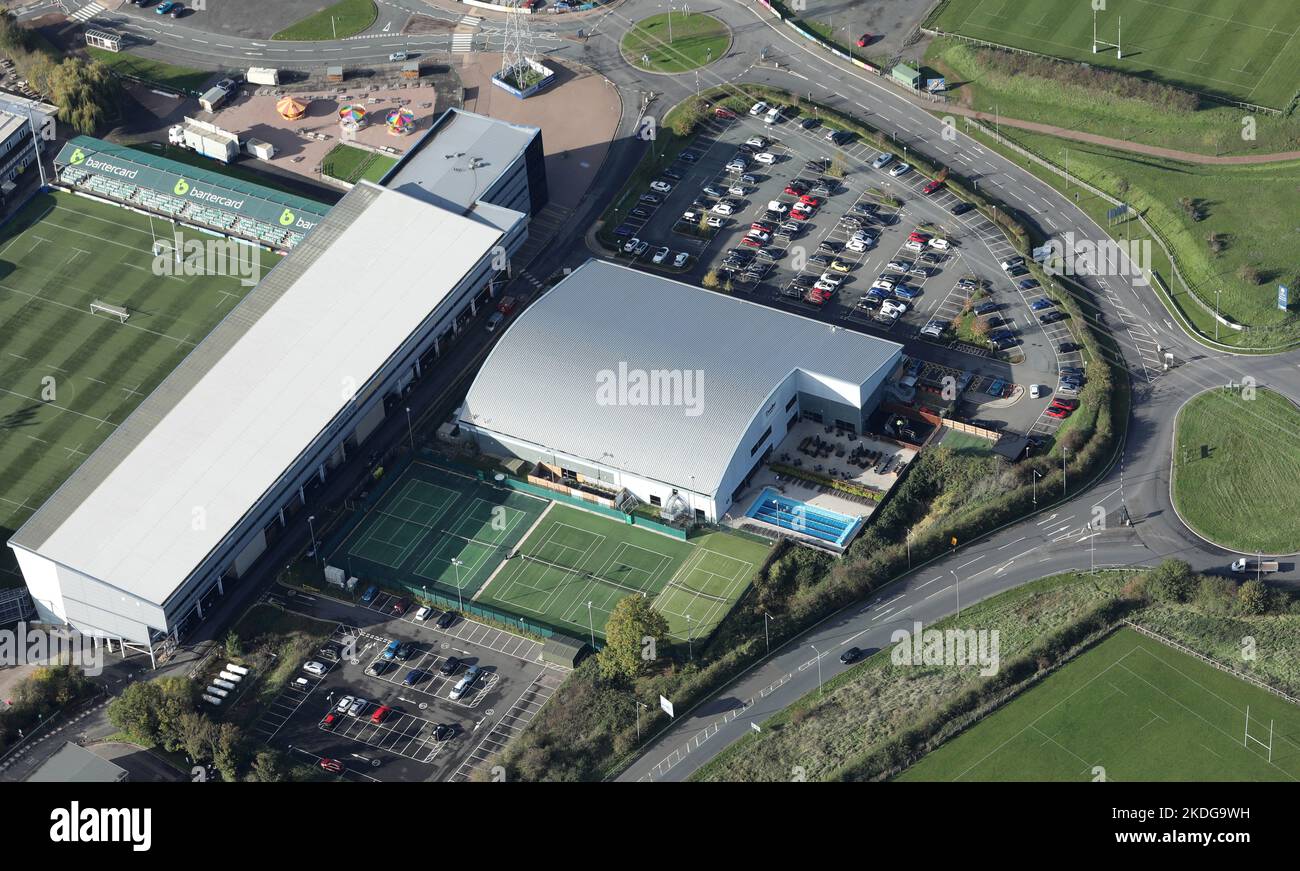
(1099, 44)
(1245, 741)
(116, 311)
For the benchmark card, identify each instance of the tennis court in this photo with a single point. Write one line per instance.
(575, 567)
(435, 528)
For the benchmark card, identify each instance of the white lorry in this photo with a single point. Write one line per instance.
(1254, 566)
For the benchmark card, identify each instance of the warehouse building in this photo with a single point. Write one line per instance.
(189, 491)
(673, 394)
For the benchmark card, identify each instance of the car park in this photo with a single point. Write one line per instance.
(900, 169)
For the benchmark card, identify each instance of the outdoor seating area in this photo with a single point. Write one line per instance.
(874, 462)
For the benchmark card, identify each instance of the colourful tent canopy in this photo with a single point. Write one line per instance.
(291, 109)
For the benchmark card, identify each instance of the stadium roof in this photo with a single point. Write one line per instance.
(237, 413)
(75, 764)
(161, 174)
(459, 158)
(604, 314)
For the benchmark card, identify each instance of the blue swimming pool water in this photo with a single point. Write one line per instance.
(771, 507)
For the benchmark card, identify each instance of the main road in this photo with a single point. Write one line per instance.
(1059, 536)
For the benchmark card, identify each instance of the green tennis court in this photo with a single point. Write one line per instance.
(439, 529)
(575, 567)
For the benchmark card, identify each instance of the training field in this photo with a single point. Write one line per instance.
(1242, 51)
(575, 557)
(1135, 709)
(69, 377)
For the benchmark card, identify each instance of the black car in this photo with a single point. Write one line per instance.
(818, 166)
(809, 123)
(863, 208)
(1052, 317)
(961, 208)
(405, 650)
(820, 260)
(447, 618)
(1067, 347)
(640, 212)
(986, 308)
(380, 667)
(443, 732)
(672, 174)
(850, 655)
(1072, 370)
(688, 156)
(450, 665)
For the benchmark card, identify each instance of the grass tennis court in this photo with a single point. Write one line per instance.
(438, 529)
(1242, 51)
(1135, 708)
(68, 377)
(574, 557)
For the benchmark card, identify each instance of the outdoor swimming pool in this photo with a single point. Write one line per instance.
(829, 526)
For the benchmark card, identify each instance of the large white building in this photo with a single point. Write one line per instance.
(185, 495)
(627, 380)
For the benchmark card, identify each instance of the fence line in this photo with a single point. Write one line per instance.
(1169, 642)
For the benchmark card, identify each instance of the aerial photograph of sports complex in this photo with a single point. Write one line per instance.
(893, 391)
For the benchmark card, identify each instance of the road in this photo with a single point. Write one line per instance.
(1054, 540)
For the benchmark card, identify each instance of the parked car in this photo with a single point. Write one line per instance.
(1057, 411)
(961, 208)
(810, 123)
(358, 705)
(447, 618)
(449, 665)
(652, 199)
(660, 256)
(766, 157)
(758, 108)
(932, 187)
(315, 668)
(399, 607)
(464, 685)
(413, 677)
(1041, 303)
(681, 259)
(368, 596)
(391, 650)
(164, 7)
(1051, 317)
(757, 141)
(381, 713)
(882, 160)
(933, 329)
(661, 187)
(900, 169)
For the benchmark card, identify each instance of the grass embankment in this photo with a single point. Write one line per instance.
(186, 79)
(343, 19)
(697, 39)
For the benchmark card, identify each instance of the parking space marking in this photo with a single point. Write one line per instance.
(519, 715)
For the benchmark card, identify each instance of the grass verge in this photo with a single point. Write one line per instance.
(338, 21)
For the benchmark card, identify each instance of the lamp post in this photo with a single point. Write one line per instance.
(591, 626)
(410, 430)
(312, 529)
(690, 637)
(767, 639)
(456, 564)
(958, 580)
(819, 667)
(1065, 486)
(1036, 477)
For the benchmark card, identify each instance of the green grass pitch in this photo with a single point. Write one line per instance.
(1128, 709)
(1240, 51)
(68, 378)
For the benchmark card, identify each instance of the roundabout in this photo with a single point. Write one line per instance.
(675, 42)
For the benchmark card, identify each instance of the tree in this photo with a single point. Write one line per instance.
(267, 767)
(1171, 581)
(1254, 598)
(234, 647)
(631, 621)
(135, 712)
(687, 118)
(710, 279)
(229, 751)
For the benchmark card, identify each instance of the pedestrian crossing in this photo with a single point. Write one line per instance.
(86, 13)
(462, 40)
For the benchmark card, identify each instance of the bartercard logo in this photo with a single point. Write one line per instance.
(78, 156)
(286, 218)
(182, 187)
(75, 824)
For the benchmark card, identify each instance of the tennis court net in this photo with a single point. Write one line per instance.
(579, 573)
(674, 585)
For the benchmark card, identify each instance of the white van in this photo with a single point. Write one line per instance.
(462, 686)
(773, 115)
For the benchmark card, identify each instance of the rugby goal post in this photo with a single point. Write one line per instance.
(117, 311)
(1245, 742)
(1098, 45)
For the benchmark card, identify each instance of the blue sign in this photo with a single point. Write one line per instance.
(1282, 296)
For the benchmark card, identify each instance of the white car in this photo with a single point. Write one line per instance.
(900, 169)
(1035, 391)
(825, 285)
(681, 259)
(831, 278)
(858, 245)
(777, 206)
(893, 308)
(881, 161)
(934, 329)
(660, 256)
(737, 190)
(358, 706)
(344, 704)
(714, 221)
(737, 165)
(660, 187)
(630, 245)
(423, 614)
(758, 108)
(883, 284)
(898, 265)
(315, 668)
(765, 157)
(913, 245)
(773, 115)
(939, 244)
(691, 216)
(723, 209)
(756, 142)
(760, 236)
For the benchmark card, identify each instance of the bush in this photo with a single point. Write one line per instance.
(1101, 81)
(1171, 581)
(1254, 598)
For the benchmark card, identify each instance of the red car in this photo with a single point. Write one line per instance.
(864, 40)
(330, 721)
(1071, 404)
(331, 765)
(795, 190)
(1057, 411)
(751, 242)
(381, 713)
(800, 215)
(918, 237)
(762, 225)
(723, 112)
(932, 187)
(810, 200)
